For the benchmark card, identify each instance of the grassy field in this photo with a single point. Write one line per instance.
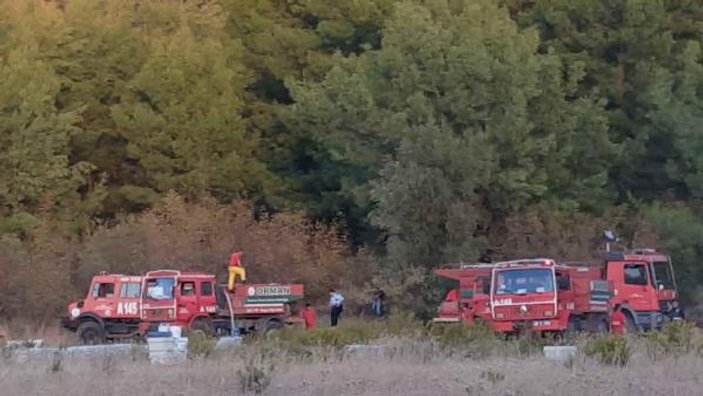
(415, 362)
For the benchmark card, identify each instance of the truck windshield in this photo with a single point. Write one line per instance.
(524, 281)
(663, 275)
(160, 288)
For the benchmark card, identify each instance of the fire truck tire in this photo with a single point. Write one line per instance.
(572, 327)
(271, 324)
(203, 326)
(90, 333)
(630, 325)
(602, 326)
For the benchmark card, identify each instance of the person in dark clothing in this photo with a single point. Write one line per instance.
(676, 312)
(336, 307)
(377, 305)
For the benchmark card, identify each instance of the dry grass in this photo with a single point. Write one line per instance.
(414, 368)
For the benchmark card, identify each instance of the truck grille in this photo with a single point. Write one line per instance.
(156, 314)
(534, 312)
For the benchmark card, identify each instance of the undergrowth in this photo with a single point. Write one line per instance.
(469, 341)
(608, 349)
(400, 332)
(255, 377)
(200, 345)
(675, 339)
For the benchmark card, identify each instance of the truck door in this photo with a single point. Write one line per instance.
(187, 301)
(565, 294)
(664, 280)
(128, 303)
(636, 289)
(103, 296)
(206, 295)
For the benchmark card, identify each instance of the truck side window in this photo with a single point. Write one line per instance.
(103, 290)
(130, 290)
(485, 285)
(188, 289)
(206, 289)
(635, 274)
(563, 282)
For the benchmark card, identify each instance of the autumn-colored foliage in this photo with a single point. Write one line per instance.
(53, 268)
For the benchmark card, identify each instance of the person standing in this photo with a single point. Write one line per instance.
(309, 317)
(336, 307)
(377, 305)
(617, 321)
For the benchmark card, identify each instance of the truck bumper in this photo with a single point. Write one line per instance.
(538, 325)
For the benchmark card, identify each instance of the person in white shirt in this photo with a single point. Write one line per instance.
(336, 307)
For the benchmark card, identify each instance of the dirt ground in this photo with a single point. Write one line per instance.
(404, 375)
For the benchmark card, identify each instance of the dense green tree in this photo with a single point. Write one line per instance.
(183, 122)
(676, 113)
(630, 48)
(34, 133)
(289, 41)
(480, 124)
(680, 234)
(97, 54)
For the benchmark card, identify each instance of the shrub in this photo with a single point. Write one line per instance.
(492, 375)
(403, 325)
(341, 336)
(475, 340)
(609, 349)
(56, 365)
(200, 345)
(675, 339)
(255, 377)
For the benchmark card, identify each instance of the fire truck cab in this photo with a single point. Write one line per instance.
(186, 299)
(644, 286)
(110, 310)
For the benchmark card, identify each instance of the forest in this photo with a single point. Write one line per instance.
(355, 144)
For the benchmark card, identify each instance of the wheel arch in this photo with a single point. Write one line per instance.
(89, 317)
(198, 317)
(627, 310)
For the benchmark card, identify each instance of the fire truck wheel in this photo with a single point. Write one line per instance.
(90, 333)
(572, 327)
(630, 325)
(204, 326)
(602, 326)
(271, 324)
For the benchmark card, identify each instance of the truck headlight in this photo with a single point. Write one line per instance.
(523, 309)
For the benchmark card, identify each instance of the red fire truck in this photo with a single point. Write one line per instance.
(191, 300)
(119, 306)
(534, 294)
(643, 284)
(110, 310)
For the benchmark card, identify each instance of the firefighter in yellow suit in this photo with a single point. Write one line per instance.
(236, 269)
